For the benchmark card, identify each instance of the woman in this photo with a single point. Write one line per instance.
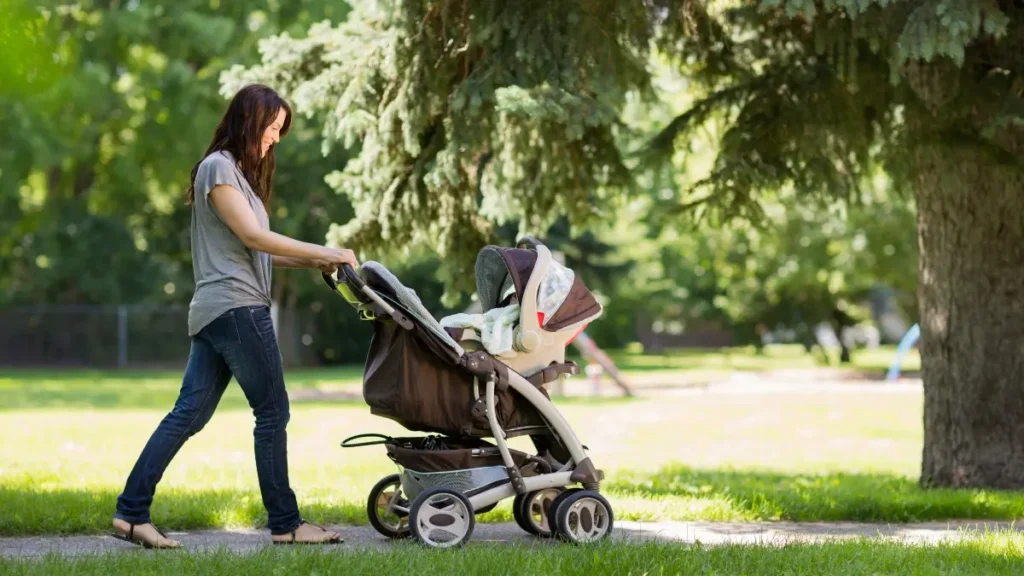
(233, 251)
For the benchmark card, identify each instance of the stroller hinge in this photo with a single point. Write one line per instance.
(516, 477)
(585, 473)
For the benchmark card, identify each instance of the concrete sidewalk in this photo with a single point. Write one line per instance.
(707, 533)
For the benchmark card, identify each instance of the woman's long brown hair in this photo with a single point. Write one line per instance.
(240, 131)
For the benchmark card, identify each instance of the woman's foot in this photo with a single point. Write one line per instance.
(307, 533)
(145, 535)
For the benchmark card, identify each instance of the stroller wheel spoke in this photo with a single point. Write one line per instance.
(531, 511)
(385, 508)
(584, 516)
(442, 518)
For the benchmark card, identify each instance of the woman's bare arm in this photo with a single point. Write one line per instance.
(234, 209)
(291, 262)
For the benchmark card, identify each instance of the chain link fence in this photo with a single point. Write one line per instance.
(94, 336)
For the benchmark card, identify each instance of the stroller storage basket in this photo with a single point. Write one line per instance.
(444, 454)
(468, 465)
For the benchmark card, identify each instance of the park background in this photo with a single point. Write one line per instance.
(756, 247)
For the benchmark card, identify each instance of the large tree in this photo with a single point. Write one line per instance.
(815, 93)
(470, 113)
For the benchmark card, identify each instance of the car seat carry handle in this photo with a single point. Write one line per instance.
(528, 335)
(528, 242)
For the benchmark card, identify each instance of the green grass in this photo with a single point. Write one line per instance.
(774, 357)
(736, 495)
(993, 553)
(692, 456)
(123, 389)
(57, 388)
(115, 389)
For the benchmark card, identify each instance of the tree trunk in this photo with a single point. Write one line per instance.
(971, 240)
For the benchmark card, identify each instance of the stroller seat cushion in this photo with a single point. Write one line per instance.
(376, 275)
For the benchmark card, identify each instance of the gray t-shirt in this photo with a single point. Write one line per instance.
(228, 275)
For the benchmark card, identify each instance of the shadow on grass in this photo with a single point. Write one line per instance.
(831, 497)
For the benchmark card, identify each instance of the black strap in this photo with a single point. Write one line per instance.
(347, 442)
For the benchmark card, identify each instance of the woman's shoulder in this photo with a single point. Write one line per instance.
(219, 159)
(216, 169)
(218, 165)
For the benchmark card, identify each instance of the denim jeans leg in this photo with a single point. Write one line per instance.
(206, 377)
(256, 365)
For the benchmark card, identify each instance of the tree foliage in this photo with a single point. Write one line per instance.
(466, 114)
(101, 139)
(469, 114)
(816, 93)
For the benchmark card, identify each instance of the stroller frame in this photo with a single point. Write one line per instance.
(576, 515)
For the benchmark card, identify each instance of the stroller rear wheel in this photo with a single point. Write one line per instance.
(531, 511)
(388, 508)
(442, 518)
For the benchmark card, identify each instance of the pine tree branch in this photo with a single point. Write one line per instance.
(663, 142)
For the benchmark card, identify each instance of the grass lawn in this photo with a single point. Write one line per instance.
(70, 440)
(775, 357)
(989, 554)
(31, 389)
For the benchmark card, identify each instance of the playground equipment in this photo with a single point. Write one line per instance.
(588, 348)
(906, 343)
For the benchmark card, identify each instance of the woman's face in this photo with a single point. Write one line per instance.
(272, 135)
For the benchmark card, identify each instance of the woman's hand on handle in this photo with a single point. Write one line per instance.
(341, 256)
(325, 266)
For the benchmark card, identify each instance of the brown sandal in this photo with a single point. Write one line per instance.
(130, 537)
(337, 539)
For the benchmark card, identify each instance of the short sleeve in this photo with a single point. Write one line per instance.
(215, 170)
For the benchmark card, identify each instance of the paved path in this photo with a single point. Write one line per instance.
(707, 533)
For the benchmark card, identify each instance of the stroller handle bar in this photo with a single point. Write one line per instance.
(348, 275)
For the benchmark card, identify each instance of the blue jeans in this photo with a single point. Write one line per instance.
(240, 343)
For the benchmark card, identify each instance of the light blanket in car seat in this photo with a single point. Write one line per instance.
(496, 327)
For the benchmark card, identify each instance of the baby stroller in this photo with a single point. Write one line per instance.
(443, 381)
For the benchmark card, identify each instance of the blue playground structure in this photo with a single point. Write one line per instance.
(906, 343)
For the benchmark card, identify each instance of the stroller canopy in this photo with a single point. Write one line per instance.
(562, 300)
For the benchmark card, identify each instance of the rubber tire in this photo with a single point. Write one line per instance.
(554, 508)
(418, 503)
(371, 509)
(561, 515)
(522, 515)
(517, 513)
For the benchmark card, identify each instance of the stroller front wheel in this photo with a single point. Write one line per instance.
(388, 509)
(442, 518)
(581, 516)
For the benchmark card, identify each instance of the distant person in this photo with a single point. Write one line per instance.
(233, 252)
